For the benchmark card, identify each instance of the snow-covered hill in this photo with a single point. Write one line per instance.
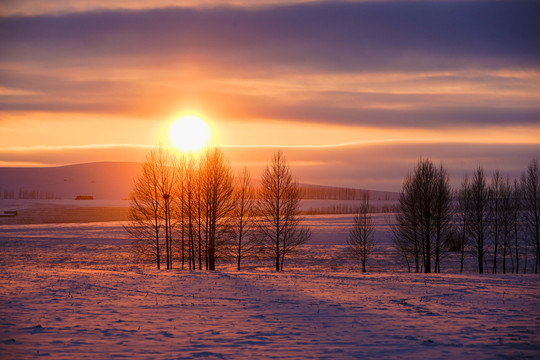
(114, 181)
(102, 180)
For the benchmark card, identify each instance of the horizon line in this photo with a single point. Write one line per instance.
(240, 146)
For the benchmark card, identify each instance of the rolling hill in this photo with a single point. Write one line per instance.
(102, 180)
(114, 181)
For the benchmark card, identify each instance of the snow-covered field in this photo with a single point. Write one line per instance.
(72, 291)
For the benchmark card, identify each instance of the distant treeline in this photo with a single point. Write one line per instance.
(28, 195)
(314, 192)
(349, 209)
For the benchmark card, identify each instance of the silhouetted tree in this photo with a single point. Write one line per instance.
(479, 215)
(516, 224)
(406, 231)
(217, 197)
(179, 211)
(530, 184)
(506, 196)
(442, 214)
(463, 212)
(279, 207)
(167, 165)
(243, 217)
(202, 216)
(361, 239)
(494, 192)
(424, 214)
(150, 204)
(189, 203)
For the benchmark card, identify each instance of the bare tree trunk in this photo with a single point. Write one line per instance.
(199, 223)
(530, 184)
(183, 230)
(515, 211)
(505, 241)
(278, 239)
(243, 215)
(479, 199)
(427, 259)
(495, 212)
(157, 251)
(167, 253)
(416, 250)
(464, 211)
(217, 200)
(462, 254)
(525, 260)
(156, 227)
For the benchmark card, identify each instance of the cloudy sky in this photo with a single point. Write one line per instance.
(353, 91)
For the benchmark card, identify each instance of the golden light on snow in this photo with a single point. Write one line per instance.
(189, 133)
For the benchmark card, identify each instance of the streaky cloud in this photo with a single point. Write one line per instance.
(342, 36)
(45, 148)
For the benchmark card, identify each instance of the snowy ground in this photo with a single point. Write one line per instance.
(73, 291)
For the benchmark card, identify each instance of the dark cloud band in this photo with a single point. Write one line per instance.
(330, 36)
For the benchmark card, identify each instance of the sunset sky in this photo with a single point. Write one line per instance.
(354, 91)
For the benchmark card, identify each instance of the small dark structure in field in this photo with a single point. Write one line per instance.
(84, 197)
(9, 213)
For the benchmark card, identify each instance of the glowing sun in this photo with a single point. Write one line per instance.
(189, 133)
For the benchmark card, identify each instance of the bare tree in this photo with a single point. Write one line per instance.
(178, 212)
(202, 215)
(279, 207)
(516, 211)
(243, 215)
(424, 214)
(217, 196)
(530, 184)
(494, 192)
(361, 239)
(463, 213)
(442, 214)
(189, 203)
(150, 206)
(506, 196)
(167, 165)
(479, 215)
(144, 216)
(406, 231)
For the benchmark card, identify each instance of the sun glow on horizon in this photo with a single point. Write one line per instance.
(189, 133)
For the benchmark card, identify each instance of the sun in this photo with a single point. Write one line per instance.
(189, 133)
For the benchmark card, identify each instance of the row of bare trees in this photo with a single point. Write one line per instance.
(496, 220)
(499, 219)
(192, 210)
